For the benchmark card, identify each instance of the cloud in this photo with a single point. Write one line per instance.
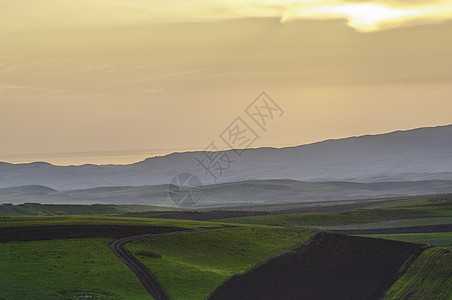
(11, 91)
(154, 91)
(363, 15)
(14, 66)
(185, 73)
(366, 16)
(30, 91)
(398, 3)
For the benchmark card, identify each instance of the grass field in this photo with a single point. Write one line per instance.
(435, 239)
(99, 220)
(395, 223)
(36, 209)
(361, 216)
(65, 269)
(192, 265)
(429, 277)
(332, 266)
(410, 212)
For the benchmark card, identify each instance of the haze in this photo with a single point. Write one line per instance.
(98, 75)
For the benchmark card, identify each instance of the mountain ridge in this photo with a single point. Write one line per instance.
(404, 155)
(257, 148)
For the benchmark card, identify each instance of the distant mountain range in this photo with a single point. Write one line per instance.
(415, 155)
(241, 193)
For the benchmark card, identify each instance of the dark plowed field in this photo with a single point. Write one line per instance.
(206, 216)
(332, 266)
(401, 230)
(53, 232)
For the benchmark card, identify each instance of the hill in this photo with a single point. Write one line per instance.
(26, 190)
(429, 277)
(237, 193)
(330, 267)
(413, 155)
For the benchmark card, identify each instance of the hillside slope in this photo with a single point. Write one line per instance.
(243, 192)
(330, 267)
(419, 154)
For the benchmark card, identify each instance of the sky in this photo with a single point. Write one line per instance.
(116, 81)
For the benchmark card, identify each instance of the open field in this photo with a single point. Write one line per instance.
(394, 224)
(424, 206)
(409, 210)
(433, 238)
(88, 263)
(429, 277)
(330, 267)
(195, 214)
(325, 219)
(36, 209)
(192, 265)
(333, 205)
(65, 269)
(54, 232)
(99, 220)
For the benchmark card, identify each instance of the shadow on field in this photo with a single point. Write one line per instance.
(332, 266)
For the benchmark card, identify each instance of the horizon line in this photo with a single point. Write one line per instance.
(162, 152)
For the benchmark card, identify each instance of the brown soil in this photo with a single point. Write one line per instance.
(52, 232)
(398, 230)
(332, 266)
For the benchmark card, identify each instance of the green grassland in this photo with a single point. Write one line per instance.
(434, 239)
(36, 209)
(429, 277)
(395, 223)
(99, 220)
(191, 265)
(360, 216)
(419, 208)
(65, 269)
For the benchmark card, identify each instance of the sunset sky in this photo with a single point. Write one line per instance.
(110, 75)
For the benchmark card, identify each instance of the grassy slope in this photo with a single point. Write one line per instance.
(430, 207)
(436, 239)
(361, 216)
(396, 223)
(429, 277)
(65, 269)
(71, 268)
(98, 220)
(70, 209)
(193, 264)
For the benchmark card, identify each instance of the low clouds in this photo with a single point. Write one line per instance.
(362, 15)
(7, 91)
(397, 3)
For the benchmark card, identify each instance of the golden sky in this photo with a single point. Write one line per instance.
(141, 74)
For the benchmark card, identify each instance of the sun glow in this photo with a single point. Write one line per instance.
(365, 17)
(372, 15)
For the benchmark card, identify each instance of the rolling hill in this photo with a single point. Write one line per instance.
(244, 192)
(413, 155)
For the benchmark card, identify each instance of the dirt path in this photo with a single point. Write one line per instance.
(148, 280)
